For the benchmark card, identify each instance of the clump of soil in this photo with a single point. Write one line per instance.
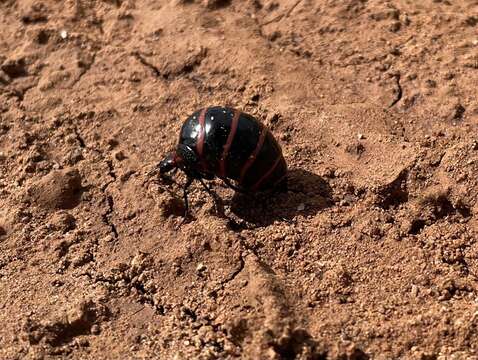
(57, 190)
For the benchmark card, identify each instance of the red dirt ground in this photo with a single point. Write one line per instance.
(373, 252)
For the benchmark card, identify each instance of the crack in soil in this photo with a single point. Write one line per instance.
(111, 172)
(236, 272)
(399, 92)
(110, 201)
(283, 15)
(107, 215)
(146, 297)
(79, 138)
(109, 198)
(20, 94)
(146, 63)
(86, 67)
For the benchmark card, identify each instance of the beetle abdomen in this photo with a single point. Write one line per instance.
(235, 145)
(265, 167)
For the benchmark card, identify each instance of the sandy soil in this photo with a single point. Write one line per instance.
(372, 254)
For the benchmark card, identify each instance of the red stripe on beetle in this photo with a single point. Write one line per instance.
(230, 139)
(266, 175)
(201, 137)
(254, 154)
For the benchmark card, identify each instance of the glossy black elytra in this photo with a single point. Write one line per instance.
(229, 144)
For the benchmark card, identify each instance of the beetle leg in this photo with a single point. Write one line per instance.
(232, 186)
(188, 183)
(214, 196)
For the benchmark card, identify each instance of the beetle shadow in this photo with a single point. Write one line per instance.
(307, 194)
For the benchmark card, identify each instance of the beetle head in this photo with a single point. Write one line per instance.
(183, 158)
(168, 163)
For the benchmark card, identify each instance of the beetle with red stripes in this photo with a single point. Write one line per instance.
(229, 144)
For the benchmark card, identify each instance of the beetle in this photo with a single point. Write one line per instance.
(229, 144)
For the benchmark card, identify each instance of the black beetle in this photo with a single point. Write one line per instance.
(232, 145)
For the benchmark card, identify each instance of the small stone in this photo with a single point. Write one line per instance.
(360, 136)
(355, 149)
(112, 143)
(274, 35)
(214, 4)
(471, 20)
(83, 342)
(81, 259)
(62, 221)
(95, 329)
(201, 268)
(63, 34)
(457, 112)
(108, 238)
(347, 200)
(301, 207)
(131, 214)
(448, 75)
(138, 261)
(395, 51)
(329, 173)
(120, 156)
(414, 291)
(125, 177)
(395, 26)
(15, 68)
(431, 83)
(75, 156)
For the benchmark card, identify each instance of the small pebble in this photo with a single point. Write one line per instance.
(120, 156)
(108, 238)
(63, 34)
(201, 267)
(414, 290)
(360, 136)
(84, 342)
(95, 329)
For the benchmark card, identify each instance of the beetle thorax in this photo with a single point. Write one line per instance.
(186, 158)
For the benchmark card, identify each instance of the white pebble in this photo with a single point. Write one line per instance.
(63, 34)
(201, 267)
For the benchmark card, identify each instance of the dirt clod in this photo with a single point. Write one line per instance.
(61, 189)
(63, 221)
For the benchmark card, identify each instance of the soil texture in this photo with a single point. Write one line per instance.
(372, 253)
